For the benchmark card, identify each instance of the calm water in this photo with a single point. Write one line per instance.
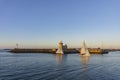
(58, 67)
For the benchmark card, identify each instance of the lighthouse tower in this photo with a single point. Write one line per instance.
(61, 45)
(60, 48)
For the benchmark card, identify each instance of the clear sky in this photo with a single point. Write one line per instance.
(43, 23)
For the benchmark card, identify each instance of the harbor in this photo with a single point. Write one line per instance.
(68, 51)
(61, 47)
(59, 40)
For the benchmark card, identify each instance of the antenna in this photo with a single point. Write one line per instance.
(102, 45)
(17, 45)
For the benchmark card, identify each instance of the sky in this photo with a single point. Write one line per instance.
(43, 23)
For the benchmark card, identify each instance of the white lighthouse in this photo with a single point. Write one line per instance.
(60, 48)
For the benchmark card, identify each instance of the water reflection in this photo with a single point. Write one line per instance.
(61, 58)
(84, 60)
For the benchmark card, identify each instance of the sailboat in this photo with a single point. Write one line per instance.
(84, 51)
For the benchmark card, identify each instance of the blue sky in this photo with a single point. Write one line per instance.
(43, 23)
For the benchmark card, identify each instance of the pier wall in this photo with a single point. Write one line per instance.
(33, 51)
(42, 51)
(69, 50)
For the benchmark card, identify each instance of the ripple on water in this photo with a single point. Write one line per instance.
(66, 67)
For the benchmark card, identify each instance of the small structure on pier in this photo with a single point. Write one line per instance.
(60, 48)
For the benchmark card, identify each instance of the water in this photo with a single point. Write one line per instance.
(57, 67)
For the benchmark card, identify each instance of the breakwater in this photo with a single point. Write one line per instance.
(67, 51)
(33, 50)
(42, 51)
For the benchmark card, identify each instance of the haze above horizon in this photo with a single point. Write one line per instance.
(43, 23)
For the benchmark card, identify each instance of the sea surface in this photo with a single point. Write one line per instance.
(45, 66)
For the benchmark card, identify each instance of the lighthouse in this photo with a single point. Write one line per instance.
(61, 45)
(60, 48)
